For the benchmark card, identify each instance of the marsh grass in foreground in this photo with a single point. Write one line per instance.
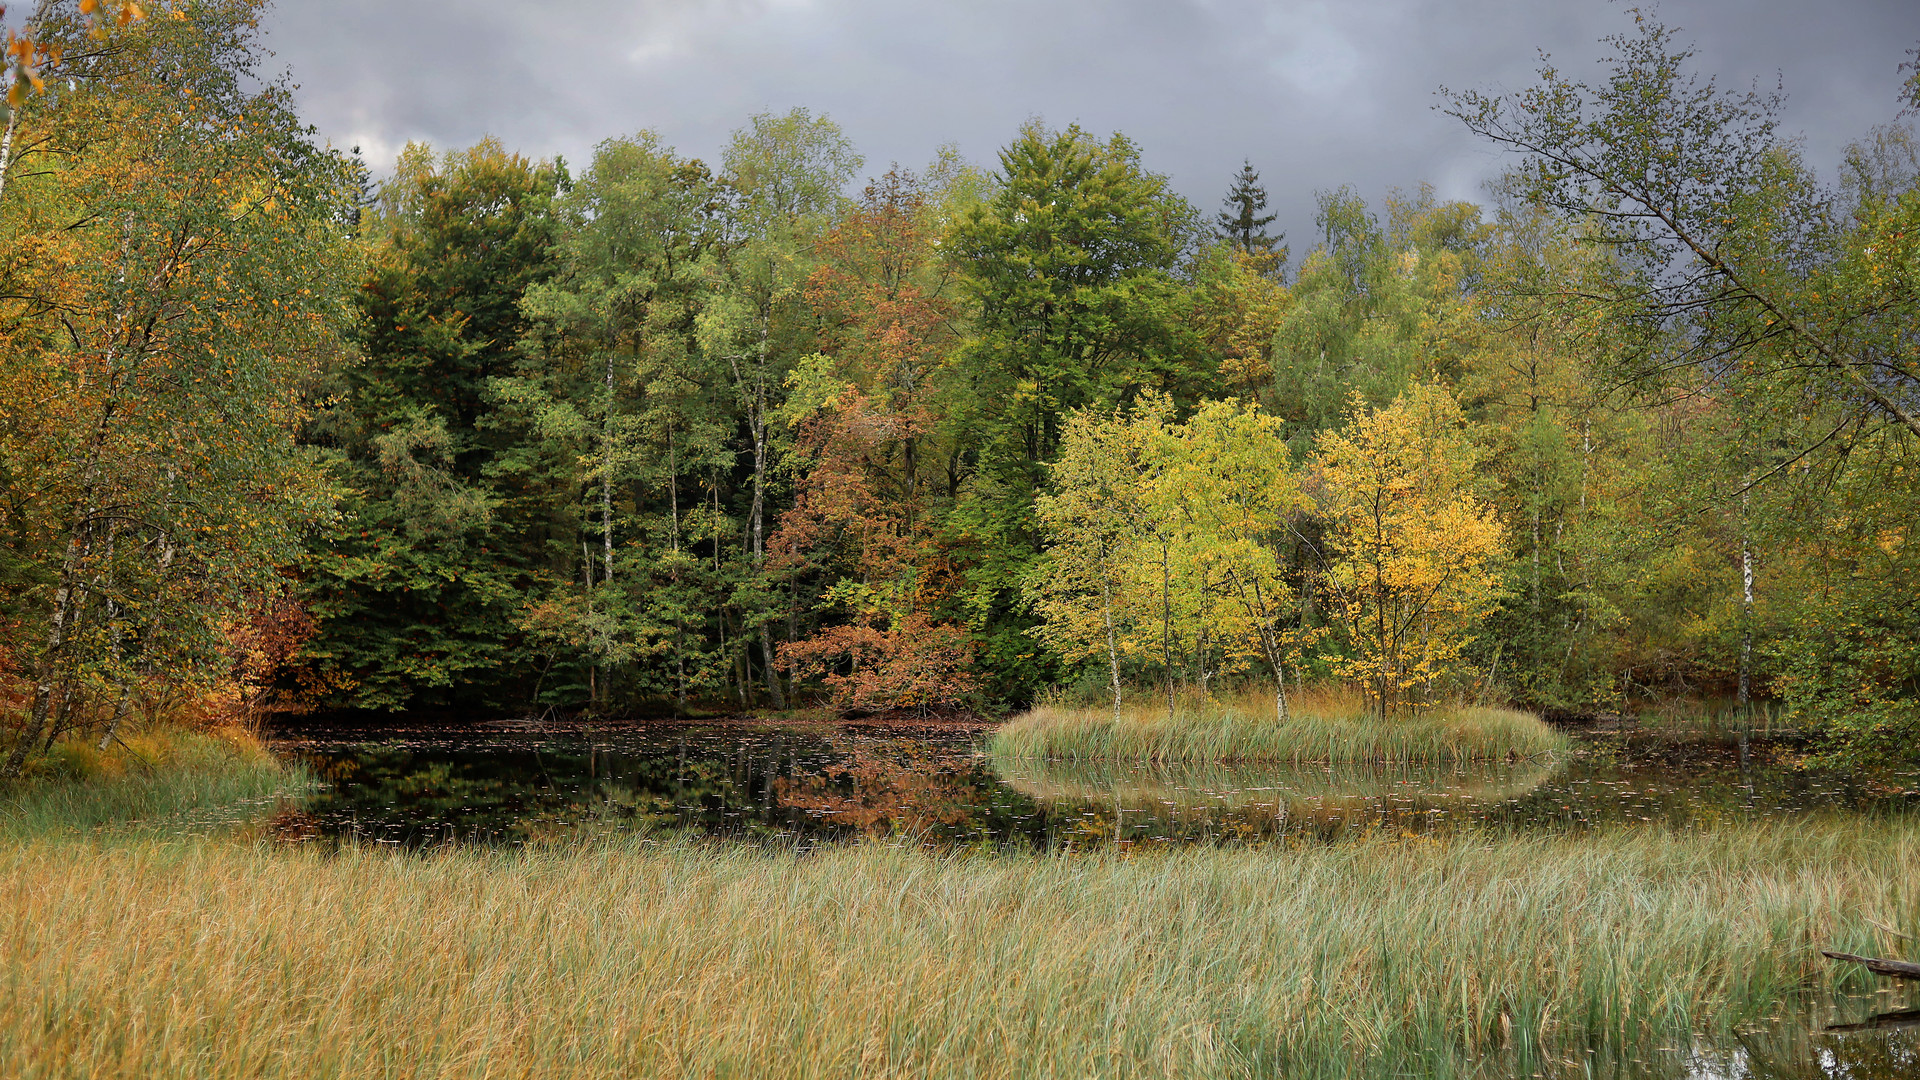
(130, 955)
(150, 778)
(1324, 725)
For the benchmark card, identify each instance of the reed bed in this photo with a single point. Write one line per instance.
(132, 955)
(1324, 725)
(154, 777)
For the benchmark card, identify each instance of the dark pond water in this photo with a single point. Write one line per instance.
(504, 785)
(495, 785)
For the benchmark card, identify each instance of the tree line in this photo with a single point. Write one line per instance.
(654, 433)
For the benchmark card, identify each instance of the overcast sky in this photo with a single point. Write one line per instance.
(1314, 94)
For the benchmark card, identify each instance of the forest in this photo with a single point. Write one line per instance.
(650, 435)
(774, 615)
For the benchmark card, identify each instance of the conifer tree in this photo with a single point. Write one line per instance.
(442, 534)
(1242, 224)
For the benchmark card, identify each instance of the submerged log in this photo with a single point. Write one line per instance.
(1893, 969)
(1886, 1021)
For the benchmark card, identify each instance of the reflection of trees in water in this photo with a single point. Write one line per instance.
(416, 795)
(824, 785)
(1248, 801)
(880, 789)
(1796, 1046)
(1602, 787)
(1798, 1049)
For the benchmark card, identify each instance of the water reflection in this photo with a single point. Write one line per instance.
(1138, 802)
(1614, 784)
(435, 786)
(820, 784)
(1870, 1037)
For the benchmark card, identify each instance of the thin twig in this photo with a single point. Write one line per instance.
(1878, 925)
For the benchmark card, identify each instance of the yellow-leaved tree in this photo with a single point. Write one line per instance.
(171, 288)
(1170, 541)
(1100, 519)
(1234, 496)
(1413, 552)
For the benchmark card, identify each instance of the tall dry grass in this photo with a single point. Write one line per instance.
(135, 956)
(159, 777)
(1325, 724)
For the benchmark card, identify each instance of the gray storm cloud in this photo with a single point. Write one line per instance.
(1315, 94)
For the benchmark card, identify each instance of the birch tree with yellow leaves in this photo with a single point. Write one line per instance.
(1085, 588)
(1413, 552)
(1237, 498)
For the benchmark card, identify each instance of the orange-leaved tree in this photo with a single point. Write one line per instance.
(873, 459)
(882, 647)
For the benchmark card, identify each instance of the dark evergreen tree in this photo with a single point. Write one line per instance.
(420, 585)
(1245, 227)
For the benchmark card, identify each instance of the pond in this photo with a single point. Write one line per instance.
(503, 784)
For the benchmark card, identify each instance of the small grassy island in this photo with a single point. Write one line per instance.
(1322, 726)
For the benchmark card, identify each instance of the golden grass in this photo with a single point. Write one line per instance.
(137, 956)
(153, 777)
(1324, 725)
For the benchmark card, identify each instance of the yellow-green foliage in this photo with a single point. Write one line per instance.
(1168, 542)
(1324, 725)
(154, 958)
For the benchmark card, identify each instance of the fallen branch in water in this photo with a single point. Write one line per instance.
(1893, 969)
(1889, 1021)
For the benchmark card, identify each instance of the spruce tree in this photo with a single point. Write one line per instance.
(1242, 224)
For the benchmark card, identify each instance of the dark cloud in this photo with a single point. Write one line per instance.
(1315, 94)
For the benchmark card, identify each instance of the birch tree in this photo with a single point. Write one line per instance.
(170, 296)
(1414, 554)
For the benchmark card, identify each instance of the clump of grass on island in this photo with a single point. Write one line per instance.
(1325, 724)
(137, 955)
(154, 776)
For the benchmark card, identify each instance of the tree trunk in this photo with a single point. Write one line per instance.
(1113, 647)
(1745, 693)
(1166, 624)
(47, 670)
(1203, 642)
(757, 427)
(6, 147)
(606, 482)
(679, 623)
(1270, 635)
(593, 666)
(113, 722)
